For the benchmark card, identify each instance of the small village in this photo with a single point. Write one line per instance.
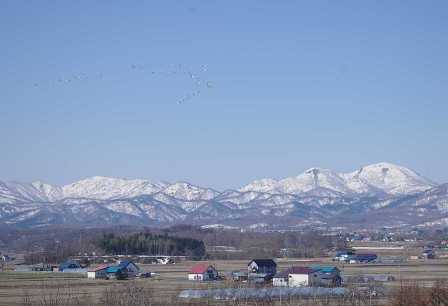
(258, 272)
(365, 269)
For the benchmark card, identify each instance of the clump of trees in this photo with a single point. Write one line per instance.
(53, 245)
(151, 244)
(254, 244)
(413, 294)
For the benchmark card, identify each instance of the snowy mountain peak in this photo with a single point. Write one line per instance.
(187, 191)
(312, 179)
(376, 188)
(380, 178)
(46, 191)
(263, 185)
(390, 178)
(100, 187)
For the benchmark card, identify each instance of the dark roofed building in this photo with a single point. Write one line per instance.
(262, 266)
(69, 265)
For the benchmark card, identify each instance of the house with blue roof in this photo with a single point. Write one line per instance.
(328, 276)
(70, 266)
(123, 270)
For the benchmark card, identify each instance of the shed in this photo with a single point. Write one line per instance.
(281, 279)
(239, 276)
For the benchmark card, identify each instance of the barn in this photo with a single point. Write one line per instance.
(124, 269)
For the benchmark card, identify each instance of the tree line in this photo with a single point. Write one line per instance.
(151, 244)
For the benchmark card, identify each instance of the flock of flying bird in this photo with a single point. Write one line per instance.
(199, 82)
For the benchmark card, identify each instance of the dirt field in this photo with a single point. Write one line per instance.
(170, 279)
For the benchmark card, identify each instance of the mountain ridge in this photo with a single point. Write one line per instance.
(316, 196)
(371, 179)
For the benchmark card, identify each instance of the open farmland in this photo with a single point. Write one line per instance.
(16, 287)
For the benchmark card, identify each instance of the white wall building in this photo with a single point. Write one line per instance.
(203, 272)
(97, 272)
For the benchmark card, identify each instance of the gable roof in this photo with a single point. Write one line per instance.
(200, 268)
(125, 263)
(325, 269)
(114, 269)
(301, 270)
(263, 262)
(98, 268)
(294, 270)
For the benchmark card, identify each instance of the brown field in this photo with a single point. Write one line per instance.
(15, 286)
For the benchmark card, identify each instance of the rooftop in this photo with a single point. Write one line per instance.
(200, 268)
(98, 268)
(263, 262)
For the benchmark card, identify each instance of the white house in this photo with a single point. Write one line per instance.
(98, 272)
(203, 272)
(294, 277)
(300, 276)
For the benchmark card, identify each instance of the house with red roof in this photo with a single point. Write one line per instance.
(97, 272)
(203, 272)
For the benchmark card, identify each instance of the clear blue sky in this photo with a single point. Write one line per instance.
(293, 84)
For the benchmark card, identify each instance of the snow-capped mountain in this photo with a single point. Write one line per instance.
(263, 185)
(383, 193)
(186, 191)
(386, 177)
(97, 187)
(102, 188)
(14, 192)
(381, 178)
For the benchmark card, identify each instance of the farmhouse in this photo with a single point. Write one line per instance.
(294, 277)
(124, 269)
(262, 266)
(203, 272)
(301, 276)
(98, 272)
(328, 276)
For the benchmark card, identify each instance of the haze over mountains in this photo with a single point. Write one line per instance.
(382, 194)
